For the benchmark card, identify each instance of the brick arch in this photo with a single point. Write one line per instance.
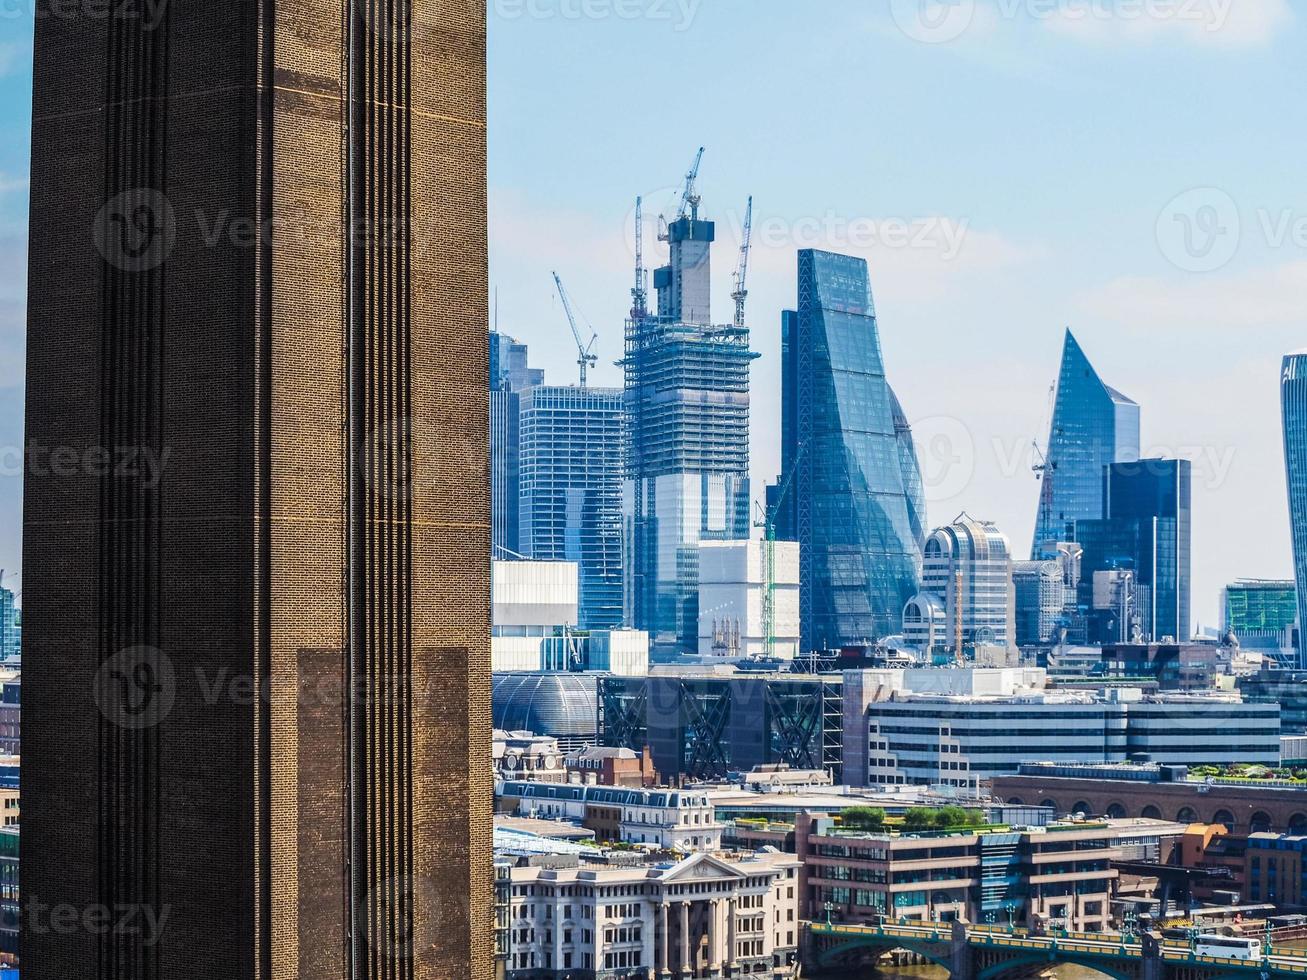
(1116, 810)
(1151, 812)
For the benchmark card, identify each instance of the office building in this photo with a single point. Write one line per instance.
(570, 490)
(706, 723)
(857, 511)
(11, 627)
(1287, 688)
(1146, 529)
(703, 916)
(734, 593)
(533, 616)
(1062, 875)
(1293, 396)
(1261, 615)
(1093, 426)
(687, 458)
(966, 573)
(668, 819)
(960, 727)
(510, 375)
(534, 613)
(310, 515)
(1039, 596)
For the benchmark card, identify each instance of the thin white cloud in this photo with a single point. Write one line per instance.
(9, 183)
(1228, 23)
(1273, 297)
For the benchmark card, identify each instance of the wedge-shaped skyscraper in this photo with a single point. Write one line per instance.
(852, 487)
(1293, 395)
(1094, 426)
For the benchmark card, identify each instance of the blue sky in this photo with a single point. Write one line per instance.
(1133, 169)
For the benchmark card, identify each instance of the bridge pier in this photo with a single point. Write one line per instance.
(962, 963)
(1153, 966)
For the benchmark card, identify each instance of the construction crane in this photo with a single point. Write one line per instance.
(639, 294)
(689, 207)
(585, 355)
(741, 292)
(767, 521)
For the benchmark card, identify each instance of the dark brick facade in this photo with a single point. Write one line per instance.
(250, 443)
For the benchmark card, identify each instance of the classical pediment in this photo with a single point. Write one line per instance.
(698, 867)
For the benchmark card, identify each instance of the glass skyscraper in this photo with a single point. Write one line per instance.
(509, 376)
(1293, 396)
(1146, 530)
(687, 462)
(570, 486)
(1261, 614)
(1093, 426)
(854, 498)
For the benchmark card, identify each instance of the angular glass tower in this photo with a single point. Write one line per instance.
(854, 498)
(1147, 530)
(570, 487)
(509, 376)
(1093, 426)
(1293, 396)
(687, 459)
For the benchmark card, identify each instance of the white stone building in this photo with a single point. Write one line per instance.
(697, 918)
(732, 591)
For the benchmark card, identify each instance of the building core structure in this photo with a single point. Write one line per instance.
(687, 447)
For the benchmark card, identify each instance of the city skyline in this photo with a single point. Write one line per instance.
(1058, 220)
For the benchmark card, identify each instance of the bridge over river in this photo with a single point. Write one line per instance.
(971, 952)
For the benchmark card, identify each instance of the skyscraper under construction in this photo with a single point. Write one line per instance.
(257, 596)
(687, 449)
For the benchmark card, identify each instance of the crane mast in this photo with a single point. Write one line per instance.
(741, 292)
(585, 356)
(689, 206)
(639, 294)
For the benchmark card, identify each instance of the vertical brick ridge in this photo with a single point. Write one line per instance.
(381, 299)
(131, 419)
